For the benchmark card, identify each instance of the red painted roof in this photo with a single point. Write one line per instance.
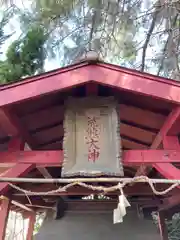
(81, 73)
(35, 104)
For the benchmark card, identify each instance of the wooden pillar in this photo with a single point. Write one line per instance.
(32, 219)
(4, 213)
(162, 226)
(16, 143)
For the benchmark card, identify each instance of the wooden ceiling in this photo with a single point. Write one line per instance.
(141, 118)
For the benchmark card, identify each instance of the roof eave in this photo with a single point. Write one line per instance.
(90, 71)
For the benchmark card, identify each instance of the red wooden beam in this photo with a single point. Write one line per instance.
(7, 125)
(167, 126)
(41, 85)
(4, 213)
(55, 157)
(162, 226)
(43, 170)
(12, 126)
(148, 157)
(83, 73)
(45, 173)
(167, 169)
(32, 220)
(16, 143)
(171, 143)
(133, 81)
(17, 171)
(38, 158)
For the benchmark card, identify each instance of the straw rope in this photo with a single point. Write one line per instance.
(121, 184)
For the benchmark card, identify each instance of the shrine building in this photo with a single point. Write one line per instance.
(68, 137)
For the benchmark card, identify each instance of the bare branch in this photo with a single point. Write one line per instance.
(166, 45)
(150, 31)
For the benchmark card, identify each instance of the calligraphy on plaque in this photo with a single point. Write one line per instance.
(92, 138)
(92, 144)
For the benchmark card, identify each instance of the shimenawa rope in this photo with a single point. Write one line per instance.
(118, 186)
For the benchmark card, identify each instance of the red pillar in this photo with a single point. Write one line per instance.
(16, 143)
(4, 213)
(32, 219)
(162, 226)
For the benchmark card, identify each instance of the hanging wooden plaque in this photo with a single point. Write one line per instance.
(92, 145)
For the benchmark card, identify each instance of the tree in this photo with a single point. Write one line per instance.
(25, 56)
(138, 34)
(78, 26)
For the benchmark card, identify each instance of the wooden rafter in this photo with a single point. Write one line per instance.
(12, 126)
(22, 206)
(150, 119)
(41, 169)
(44, 172)
(7, 124)
(167, 126)
(48, 133)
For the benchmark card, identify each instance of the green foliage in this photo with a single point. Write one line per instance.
(50, 10)
(39, 221)
(37, 227)
(24, 57)
(173, 225)
(140, 34)
(79, 26)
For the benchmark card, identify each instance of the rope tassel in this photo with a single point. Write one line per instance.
(120, 211)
